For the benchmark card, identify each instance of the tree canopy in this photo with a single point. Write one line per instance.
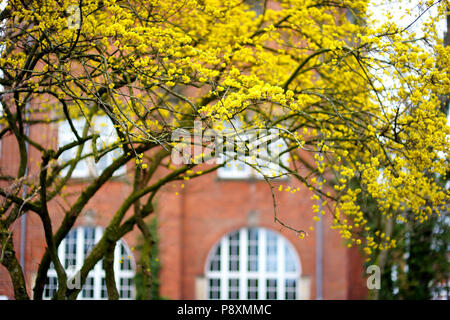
(358, 104)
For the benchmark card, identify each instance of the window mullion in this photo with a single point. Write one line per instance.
(262, 236)
(97, 269)
(243, 263)
(79, 250)
(117, 266)
(224, 265)
(282, 266)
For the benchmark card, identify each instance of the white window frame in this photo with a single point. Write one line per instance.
(97, 273)
(261, 274)
(87, 167)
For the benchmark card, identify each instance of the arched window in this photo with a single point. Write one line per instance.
(72, 252)
(253, 263)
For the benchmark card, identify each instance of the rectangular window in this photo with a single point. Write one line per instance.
(234, 143)
(253, 153)
(87, 167)
(66, 136)
(235, 166)
(108, 136)
(272, 155)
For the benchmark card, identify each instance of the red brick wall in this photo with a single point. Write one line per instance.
(357, 278)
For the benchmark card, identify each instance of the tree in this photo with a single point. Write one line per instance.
(418, 267)
(153, 267)
(155, 67)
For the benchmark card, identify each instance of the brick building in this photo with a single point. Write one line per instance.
(218, 239)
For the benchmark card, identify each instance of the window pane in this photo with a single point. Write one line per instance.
(214, 288)
(103, 163)
(271, 289)
(234, 169)
(215, 260)
(126, 288)
(86, 167)
(66, 136)
(289, 259)
(271, 154)
(70, 249)
(51, 286)
(108, 136)
(233, 289)
(291, 285)
(252, 250)
(271, 252)
(234, 252)
(125, 262)
(88, 288)
(104, 292)
(89, 240)
(252, 289)
(235, 154)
